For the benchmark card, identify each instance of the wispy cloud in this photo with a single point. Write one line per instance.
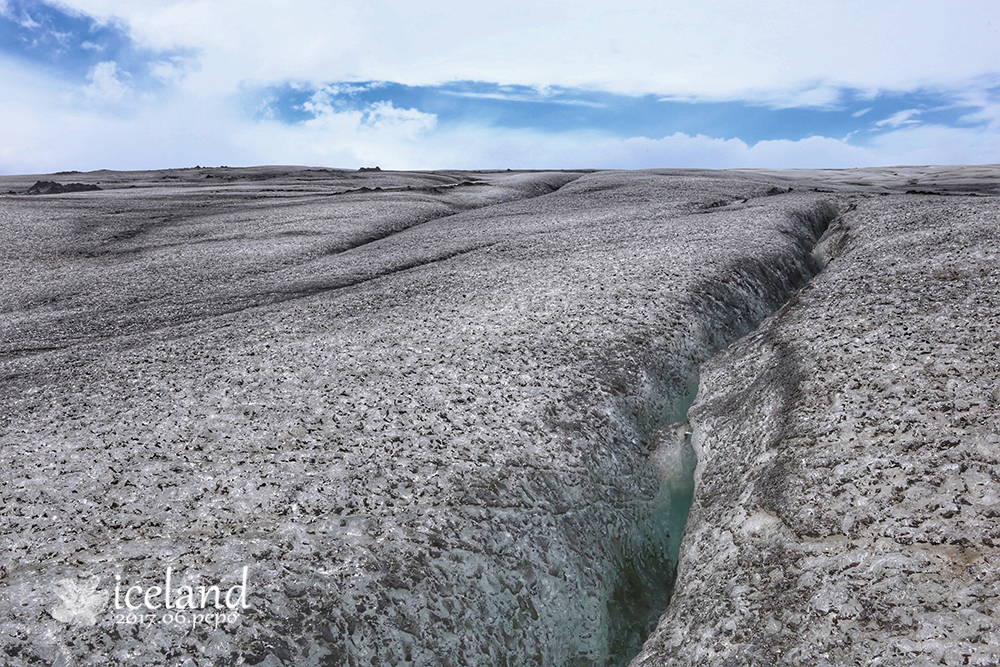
(900, 119)
(538, 98)
(18, 14)
(172, 70)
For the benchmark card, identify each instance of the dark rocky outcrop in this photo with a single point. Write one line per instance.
(53, 188)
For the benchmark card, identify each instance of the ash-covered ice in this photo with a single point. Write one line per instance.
(426, 411)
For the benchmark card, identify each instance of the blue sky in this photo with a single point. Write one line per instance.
(566, 110)
(719, 83)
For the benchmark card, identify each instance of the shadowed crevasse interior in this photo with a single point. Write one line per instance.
(647, 565)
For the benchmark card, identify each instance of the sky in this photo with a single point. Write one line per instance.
(122, 84)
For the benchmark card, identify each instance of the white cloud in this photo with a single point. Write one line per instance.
(39, 133)
(412, 122)
(45, 128)
(780, 53)
(541, 95)
(382, 118)
(820, 95)
(172, 70)
(106, 86)
(937, 144)
(988, 114)
(900, 119)
(381, 122)
(23, 19)
(710, 49)
(987, 108)
(62, 37)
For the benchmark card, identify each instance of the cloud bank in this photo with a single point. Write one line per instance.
(113, 84)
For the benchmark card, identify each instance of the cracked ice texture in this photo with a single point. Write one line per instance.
(422, 415)
(419, 414)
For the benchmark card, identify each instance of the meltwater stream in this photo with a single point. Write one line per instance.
(647, 580)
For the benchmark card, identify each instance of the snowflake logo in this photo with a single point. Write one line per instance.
(81, 601)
